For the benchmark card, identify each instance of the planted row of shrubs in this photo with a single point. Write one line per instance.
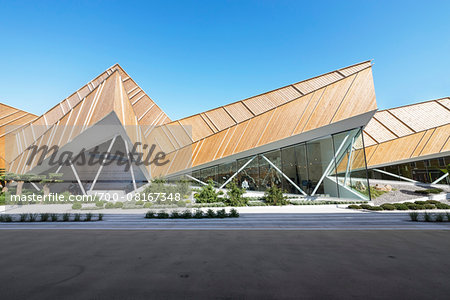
(198, 214)
(46, 217)
(417, 205)
(427, 217)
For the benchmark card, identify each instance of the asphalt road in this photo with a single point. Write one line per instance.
(220, 264)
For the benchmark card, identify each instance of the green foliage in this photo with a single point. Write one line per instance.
(208, 194)
(221, 213)
(187, 214)
(77, 217)
(100, 204)
(274, 196)
(429, 206)
(175, 215)
(160, 185)
(88, 217)
(400, 206)
(32, 217)
(76, 205)
(23, 217)
(150, 214)
(354, 206)
(427, 217)
(235, 195)
(414, 216)
(210, 213)
(8, 218)
(54, 217)
(429, 191)
(375, 208)
(162, 215)
(388, 206)
(441, 205)
(118, 204)
(100, 217)
(233, 213)
(448, 216)
(44, 217)
(148, 204)
(109, 205)
(66, 217)
(198, 214)
(439, 218)
(365, 206)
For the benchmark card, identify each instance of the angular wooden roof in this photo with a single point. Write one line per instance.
(266, 118)
(145, 110)
(408, 132)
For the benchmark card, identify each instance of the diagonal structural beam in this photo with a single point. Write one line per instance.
(101, 165)
(195, 179)
(327, 170)
(77, 177)
(395, 175)
(131, 165)
(284, 175)
(440, 178)
(238, 171)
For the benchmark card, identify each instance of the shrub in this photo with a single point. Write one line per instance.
(2, 218)
(234, 195)
(427, 217)
(388, 206)
(448, 217)
(274, 196)
(429, 206)
(433, 202)
(109, 205)
(420, 202)
(77, 217)
(8, 218)
(88, 217)
(233, 213)
(414, 216)
(162, 215)
(32, 217)
(400, 206)
(54, 217)
(412, 206)
(365, 206)
(147, 204)
(210, 213)
(150, 215)
(420, 207)
(76, 205)
(99, 204)
(100, 217)
(66, 217)
(44, 217)
(375, 208)
(439, 218)
(198, 214)
(208, 194)
(23, 217)
(354, 206)
(187, 214)
(429, 191)
(221, 213)
(440, 205)
(118, 204)
(175, 215)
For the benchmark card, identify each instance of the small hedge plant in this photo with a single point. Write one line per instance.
(208, 194)
(274, 196)
(417, 205)
(198, 214)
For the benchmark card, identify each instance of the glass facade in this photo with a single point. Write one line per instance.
(330, 166)
(425, 171)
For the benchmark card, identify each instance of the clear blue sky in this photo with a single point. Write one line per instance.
(190, 56)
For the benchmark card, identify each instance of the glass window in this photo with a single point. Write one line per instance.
(225, 171)
(268, 175)
(248, 178)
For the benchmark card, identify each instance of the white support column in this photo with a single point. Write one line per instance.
(131, 164)
(395, 175)
(327, 170)
(77, 177)
(284, 175)
(440, 178)
(103, 162)
(195, 179)
(238, 171)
